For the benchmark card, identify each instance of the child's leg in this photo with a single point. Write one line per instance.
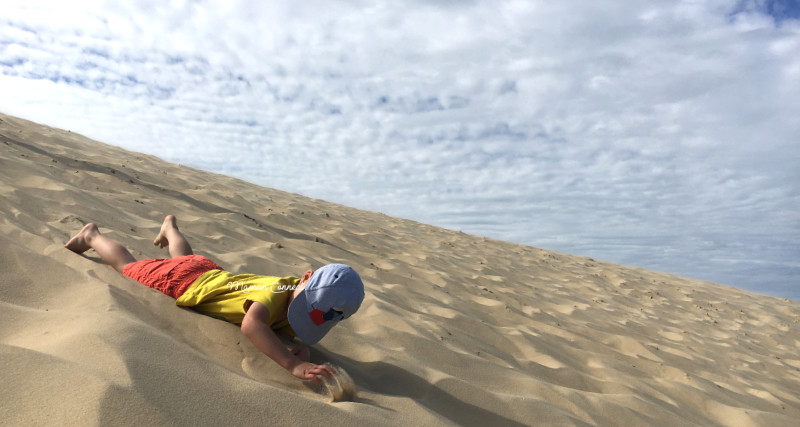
(112, 252)
(172, 237)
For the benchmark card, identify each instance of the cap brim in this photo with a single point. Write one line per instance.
(302, 324)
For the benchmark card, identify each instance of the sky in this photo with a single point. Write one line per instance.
(657, 134)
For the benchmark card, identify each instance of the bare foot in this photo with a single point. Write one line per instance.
(80, 242)
(169, 222)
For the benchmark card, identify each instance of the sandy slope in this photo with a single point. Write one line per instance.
(454, 329)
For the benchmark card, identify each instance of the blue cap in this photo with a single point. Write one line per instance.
(334, 292)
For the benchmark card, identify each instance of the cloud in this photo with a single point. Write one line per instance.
(658, 134)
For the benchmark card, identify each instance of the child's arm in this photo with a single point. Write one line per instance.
(255, 327)
(300, 350)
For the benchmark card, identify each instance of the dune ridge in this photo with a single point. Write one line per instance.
(455, 328)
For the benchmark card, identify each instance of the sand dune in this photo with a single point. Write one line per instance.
(454, 329)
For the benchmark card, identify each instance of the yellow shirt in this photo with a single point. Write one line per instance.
(220, 294)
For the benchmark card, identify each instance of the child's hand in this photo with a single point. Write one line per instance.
(309, 371)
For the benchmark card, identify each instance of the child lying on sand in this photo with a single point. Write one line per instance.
(264, 306)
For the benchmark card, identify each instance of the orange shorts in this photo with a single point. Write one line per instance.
(170, 276)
